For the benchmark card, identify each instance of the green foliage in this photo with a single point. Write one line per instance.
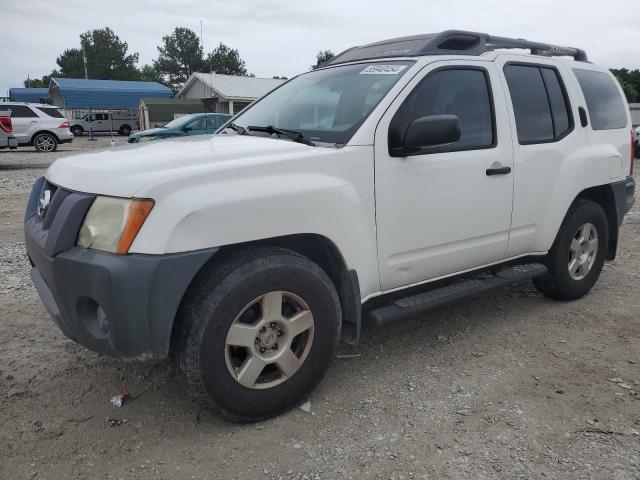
(226, 61)
(149, 73)
(322, 57)
(41, 82)
(630, 83)
(179, 56)
(107, 57)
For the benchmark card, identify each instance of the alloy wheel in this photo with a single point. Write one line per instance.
(269, 340)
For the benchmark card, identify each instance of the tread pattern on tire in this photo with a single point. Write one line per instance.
(210, 286)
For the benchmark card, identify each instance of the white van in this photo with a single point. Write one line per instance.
(399, 176)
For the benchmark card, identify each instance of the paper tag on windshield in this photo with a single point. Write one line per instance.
(384, 69)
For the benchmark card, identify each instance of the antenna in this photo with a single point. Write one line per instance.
(204, 87)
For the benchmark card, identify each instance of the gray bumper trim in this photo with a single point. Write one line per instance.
(122, 306)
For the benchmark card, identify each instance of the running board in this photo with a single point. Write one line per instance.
(416, 304)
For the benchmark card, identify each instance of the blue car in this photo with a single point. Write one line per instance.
(193, 124)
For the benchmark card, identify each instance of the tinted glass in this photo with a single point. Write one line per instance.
(326, 105)
(530, 104)
(463, 93)
(18, 111)
(559, 109)
(52, 112)
(607, 110)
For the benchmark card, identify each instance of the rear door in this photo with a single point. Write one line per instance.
(544, 139)
(25, 122)
(445, 210)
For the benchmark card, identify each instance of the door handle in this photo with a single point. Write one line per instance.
(498, 171)
(33, 122)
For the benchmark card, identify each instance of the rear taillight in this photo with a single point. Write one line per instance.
(5, 124)
(64, 124)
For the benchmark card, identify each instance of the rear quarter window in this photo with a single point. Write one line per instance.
(606, 108)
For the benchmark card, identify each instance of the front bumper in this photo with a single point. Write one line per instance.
(119, 305)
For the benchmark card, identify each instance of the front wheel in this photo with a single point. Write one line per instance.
(125, 130)
(578, 253)
(45, 142)
(257, 333)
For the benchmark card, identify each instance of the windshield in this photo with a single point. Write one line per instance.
(326, 105)
(180, 121)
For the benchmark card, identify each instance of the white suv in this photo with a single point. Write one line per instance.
(401, 175)
(39, 125)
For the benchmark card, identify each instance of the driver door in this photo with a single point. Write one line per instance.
(444, 210)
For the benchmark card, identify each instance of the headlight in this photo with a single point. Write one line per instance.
(111, 224)
(145, 139)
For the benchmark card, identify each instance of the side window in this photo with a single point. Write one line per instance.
(540, 103)
(607, 110)
(464, 92)
(21, 111)
(560, 110)
(197, 124)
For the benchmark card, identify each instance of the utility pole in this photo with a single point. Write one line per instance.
(84, 59)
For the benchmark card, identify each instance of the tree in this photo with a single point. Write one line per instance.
(180, 56)
(226, 61)
(277, 77)
(630, 83)
(106, 54)
(41, 82)
(322, 57)
(149, 73)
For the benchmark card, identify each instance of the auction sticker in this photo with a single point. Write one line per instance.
(384, 69)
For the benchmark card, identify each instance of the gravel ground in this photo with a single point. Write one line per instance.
(505, 385)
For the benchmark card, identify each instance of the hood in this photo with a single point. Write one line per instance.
(150, 132)
(125, 170)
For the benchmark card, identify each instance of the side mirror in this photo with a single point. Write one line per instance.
(187, 128)
(431, 131)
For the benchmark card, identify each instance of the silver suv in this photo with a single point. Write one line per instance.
(42, 126)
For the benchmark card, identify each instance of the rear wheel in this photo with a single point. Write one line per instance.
(45, 142)
(257, 333)
(125, 130)
(577, 256)
(77, 130)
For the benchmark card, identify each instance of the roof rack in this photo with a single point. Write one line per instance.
(450, 42)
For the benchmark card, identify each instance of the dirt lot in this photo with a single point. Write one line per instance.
(505, 385)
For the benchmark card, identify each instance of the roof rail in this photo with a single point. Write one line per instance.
(450, 42)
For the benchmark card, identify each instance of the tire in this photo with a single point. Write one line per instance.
(585, 221)
(213, 308)
(45, 142)
(125, 130)
(77, 130)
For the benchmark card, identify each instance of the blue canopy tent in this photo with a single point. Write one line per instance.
(30, 95)
(78, 93)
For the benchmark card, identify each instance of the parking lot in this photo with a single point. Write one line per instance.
(506, 385)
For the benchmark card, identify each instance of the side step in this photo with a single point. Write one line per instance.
(416, 304)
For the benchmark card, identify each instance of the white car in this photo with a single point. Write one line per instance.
(399, 176)
(39, 125)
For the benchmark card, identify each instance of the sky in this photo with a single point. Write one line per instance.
(282, 37)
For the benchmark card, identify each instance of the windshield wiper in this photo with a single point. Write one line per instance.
(237, 128)
(290, 134)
